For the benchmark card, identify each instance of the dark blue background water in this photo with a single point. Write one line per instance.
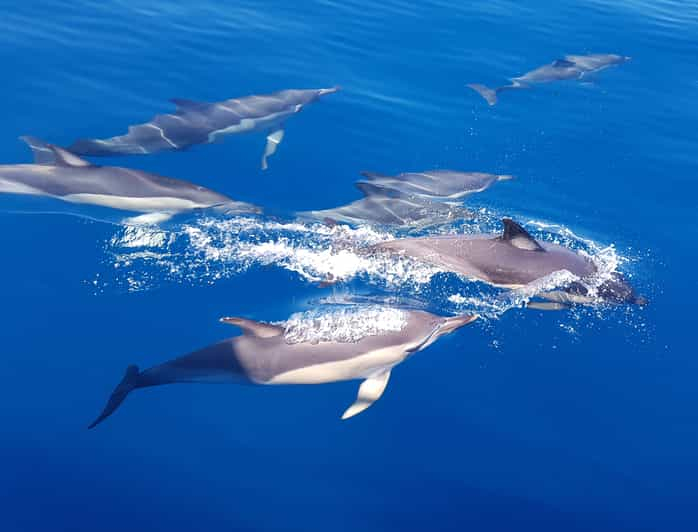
(512, 424)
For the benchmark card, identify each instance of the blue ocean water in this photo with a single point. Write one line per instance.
(526, 420)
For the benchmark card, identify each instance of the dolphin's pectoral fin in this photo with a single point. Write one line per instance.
(273, 140)
(254, 328)
(369, 392)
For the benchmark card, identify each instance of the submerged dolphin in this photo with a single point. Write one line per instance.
(572, 67)
(263, 354)
(385, 207)
(60, 174)
(513, 260)
(203, 123)
(436, 184)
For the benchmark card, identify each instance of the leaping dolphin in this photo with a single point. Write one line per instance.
(203, 123)
(513, 260)
(571, 67)
(435, 184)
(264, 354)
(60, 174)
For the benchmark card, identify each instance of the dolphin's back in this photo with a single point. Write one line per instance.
(434, 183)
(65, 181)
(275, 360)
(492, 259)
(197, 122)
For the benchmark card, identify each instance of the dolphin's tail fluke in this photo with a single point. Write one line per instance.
(490, 95)
(127, 384)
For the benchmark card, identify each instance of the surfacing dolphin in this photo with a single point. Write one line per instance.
(203, 123)
(60, 174)
(513, 260)
(381, 206)
(571, 67)
(266, 354)
(435, 184)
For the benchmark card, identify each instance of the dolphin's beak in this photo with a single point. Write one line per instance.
(456, 322)
(331, 90)
(504, 177)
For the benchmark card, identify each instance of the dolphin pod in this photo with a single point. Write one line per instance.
(203, 123)
(512, 260)
(271, 354)
(265, 355)
(571, 67)
(60, 174)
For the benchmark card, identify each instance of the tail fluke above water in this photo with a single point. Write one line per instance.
(490, 95)
(127, 384)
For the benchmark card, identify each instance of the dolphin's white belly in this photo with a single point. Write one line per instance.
(247, 125)
(358, 367)
(151, 204)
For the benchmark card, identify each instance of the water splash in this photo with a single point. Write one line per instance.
(342, 325)
(207, 249)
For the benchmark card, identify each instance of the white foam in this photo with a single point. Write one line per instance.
(208, 249)
(343, 325)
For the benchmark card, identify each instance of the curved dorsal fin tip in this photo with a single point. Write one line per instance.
(518, 237)
(50, 154)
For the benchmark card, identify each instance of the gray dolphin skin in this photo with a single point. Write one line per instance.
(263, 355)
(435, 184)
(571, 67)
(390, 208)
(203, 123)
(60, 174)
(512, 260)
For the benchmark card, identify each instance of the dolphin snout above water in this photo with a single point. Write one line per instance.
(512, 260)
(196, 122)
(571, 67)
(269, 354)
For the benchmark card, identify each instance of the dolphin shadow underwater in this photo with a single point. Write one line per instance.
(513, 260)
(571, 67)
(60, 174)
(204, 123)
(266, 355)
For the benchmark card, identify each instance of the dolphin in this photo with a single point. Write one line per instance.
(60, 174)
(265, 354)
(203, 123)
(382, 206)
(571, 67)
(435, 184)
(513, 260)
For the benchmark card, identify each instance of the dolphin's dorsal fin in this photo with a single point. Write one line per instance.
(563, 63)
(187, 105)
(48, 154)
(373, 175)
(255, 328)
(518, 237)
